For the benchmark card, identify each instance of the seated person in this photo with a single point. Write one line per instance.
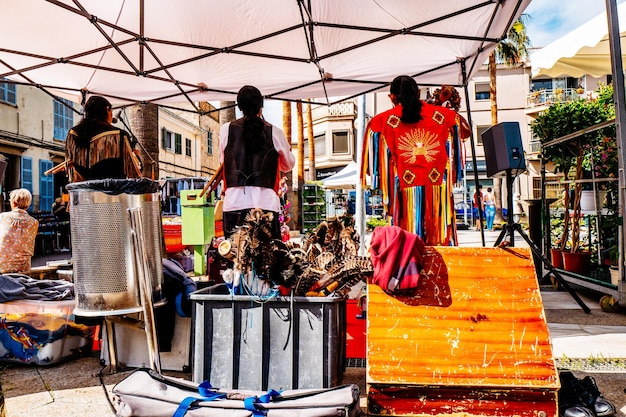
(18, 231)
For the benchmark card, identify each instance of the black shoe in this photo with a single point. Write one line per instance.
(591, 396)
(570, 404)
(576, 411)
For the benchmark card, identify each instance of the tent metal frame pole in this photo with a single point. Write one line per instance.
(619, 96)
(472, 146)
(359, 209)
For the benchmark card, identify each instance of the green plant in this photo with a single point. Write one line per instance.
(375, 221)
(569, 156)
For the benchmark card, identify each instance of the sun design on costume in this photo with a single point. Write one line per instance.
(418, 142)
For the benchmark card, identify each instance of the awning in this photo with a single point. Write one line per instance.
(585, 50)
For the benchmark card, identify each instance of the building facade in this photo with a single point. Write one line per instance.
(33, 128)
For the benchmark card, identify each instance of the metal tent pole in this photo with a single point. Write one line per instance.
(473, 147)
(359, 210)
(619, 97)
(145, 287)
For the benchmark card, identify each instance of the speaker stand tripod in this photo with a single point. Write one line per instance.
(509, 230)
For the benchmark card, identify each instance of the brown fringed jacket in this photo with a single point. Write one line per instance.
(98, 150)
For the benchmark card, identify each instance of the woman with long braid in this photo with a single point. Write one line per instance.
(254, 154)
(414, 155)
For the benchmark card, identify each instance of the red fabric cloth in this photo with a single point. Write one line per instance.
(398, 254)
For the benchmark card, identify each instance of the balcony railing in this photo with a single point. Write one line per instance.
(558, 95)
(535, 146)
(347, 108)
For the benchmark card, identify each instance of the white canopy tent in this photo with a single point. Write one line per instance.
(160, 51)
(585, 50)
(348, 177)
(189, 51)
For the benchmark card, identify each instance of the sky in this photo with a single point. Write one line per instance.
(551, 19)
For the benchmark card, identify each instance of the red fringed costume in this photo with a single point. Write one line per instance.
(416, 165)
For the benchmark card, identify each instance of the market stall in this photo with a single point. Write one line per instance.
(163, 54)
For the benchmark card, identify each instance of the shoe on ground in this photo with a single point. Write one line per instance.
(576, 411)
(576, 393)
(591, 396)
(570, 404)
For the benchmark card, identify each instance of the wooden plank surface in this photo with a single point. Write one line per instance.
(477, 320)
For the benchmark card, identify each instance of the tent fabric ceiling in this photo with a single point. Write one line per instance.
(585, 50)
(161, 51)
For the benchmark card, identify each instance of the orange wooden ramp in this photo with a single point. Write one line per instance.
(473, 340)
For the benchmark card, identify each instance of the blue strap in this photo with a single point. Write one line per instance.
(204, 389)
(184, 406)
(250, 402)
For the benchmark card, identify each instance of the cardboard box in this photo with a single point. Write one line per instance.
(132, 346)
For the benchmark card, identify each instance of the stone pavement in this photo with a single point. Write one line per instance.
(590, 344)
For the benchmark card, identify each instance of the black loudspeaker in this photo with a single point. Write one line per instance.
(503, 149)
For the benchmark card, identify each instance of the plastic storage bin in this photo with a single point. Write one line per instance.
(283, 343)
(41, 332)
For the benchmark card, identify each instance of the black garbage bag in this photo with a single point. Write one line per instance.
(113, 186)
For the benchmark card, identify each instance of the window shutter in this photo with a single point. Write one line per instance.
(178, 143)
(164, 138)
(27, 174)
(46, 186)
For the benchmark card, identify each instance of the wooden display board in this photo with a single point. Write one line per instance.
(473, 340)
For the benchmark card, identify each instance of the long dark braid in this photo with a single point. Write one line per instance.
(406, 90)
(250, 102)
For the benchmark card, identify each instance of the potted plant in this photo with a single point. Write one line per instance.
(568, 157)
(557, 223)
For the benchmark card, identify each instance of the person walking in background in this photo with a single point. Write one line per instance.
(95, 149)
(478, 205)
(254, 154)
(18, 231)
(518, 209)
(489, 203)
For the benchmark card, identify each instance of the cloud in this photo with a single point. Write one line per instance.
(551, 19)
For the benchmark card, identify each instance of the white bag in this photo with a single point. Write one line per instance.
(146, 393)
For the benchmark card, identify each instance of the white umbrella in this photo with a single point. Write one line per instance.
(347, 177)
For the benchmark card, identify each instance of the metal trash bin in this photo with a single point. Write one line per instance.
(103, 253)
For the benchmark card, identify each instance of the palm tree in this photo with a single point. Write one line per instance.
(511, 50)
(311, 138)
(144, 121)
(300, 158)
(293, 196)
